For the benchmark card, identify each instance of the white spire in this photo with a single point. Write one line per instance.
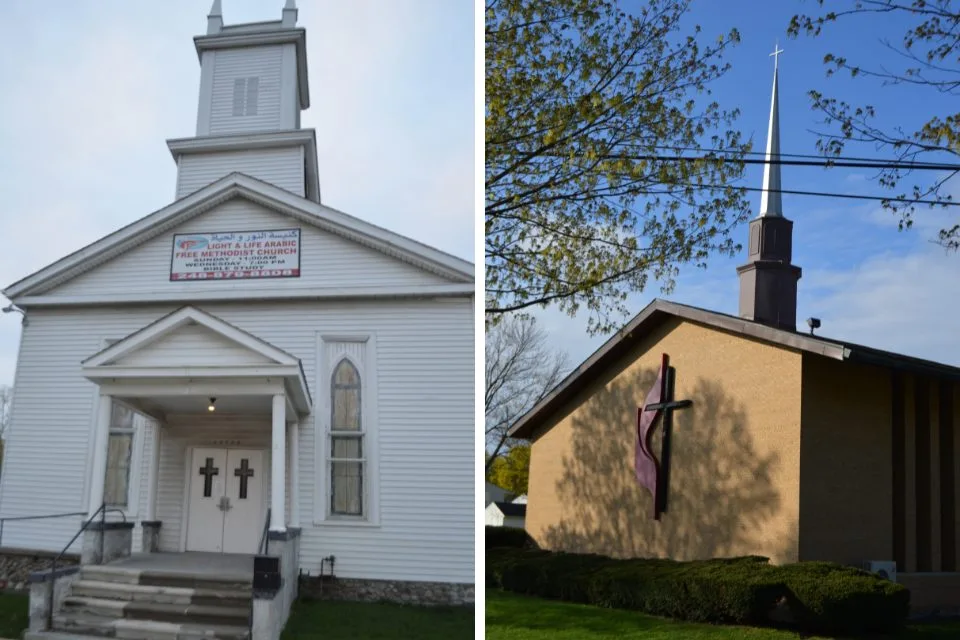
(215, 18)
(770, 200)
(290, 14)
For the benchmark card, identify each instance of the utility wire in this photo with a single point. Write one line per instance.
(852, 196)
(913, 166)
(763, 153)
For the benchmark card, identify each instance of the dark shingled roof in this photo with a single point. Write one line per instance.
(512, 509)
(659, 310)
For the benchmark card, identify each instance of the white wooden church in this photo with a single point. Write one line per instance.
(247, 372)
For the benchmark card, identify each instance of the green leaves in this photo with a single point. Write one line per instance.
(929, 43)
(576, 92)
(512, 471)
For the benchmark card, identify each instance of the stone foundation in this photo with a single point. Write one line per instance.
(399, 591)
(16, 565)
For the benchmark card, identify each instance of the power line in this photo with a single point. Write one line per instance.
(851, 196)
(913, 166)
(763, 153)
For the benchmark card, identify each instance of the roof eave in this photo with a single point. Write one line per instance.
(637, 327)
(263, 193)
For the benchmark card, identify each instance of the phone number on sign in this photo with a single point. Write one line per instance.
(232, 275)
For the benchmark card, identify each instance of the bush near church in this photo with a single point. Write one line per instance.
(820, 597)
(507, 537)
(827, 597)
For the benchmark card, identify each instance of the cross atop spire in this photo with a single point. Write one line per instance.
(770, 201)
(776, 54)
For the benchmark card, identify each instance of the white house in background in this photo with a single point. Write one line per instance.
(248, 356)
(505, 514)
(521, 499)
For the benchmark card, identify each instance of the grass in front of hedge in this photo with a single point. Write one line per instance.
(14, 614)
(515, 617)
(510, 616)
(328, 620)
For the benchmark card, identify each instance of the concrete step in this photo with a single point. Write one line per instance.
(54, 635)
(71, 627)
(197, 614)
(180, 579)
(161, 595)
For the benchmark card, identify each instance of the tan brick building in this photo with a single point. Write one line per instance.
(795, 447)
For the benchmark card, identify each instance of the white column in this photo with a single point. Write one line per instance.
(101, 440)
(278, 463)
(293, 434)
(151, 514)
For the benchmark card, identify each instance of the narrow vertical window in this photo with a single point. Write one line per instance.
(246, 94)
(346, 450)
(116, 486)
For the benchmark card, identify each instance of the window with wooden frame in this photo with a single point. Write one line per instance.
(116, 486)
(346, 462)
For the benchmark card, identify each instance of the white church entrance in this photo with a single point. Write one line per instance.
(226, 510)
(176, 369)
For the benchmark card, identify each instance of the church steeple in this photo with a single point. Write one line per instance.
(253, 87)
(770, 202)
(768, 282)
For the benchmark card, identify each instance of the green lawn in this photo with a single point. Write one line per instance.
(14, 616)
(325, 620)
(514, 617)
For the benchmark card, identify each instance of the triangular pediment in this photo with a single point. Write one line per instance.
(190, 337)
(340, 241)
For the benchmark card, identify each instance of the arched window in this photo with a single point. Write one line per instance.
(346, 441)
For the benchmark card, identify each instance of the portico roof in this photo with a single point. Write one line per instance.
(191, 351)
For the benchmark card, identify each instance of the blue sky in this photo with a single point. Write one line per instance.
(92, 89)
(866, 281)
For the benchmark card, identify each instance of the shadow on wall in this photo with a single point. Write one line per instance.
(721, 500)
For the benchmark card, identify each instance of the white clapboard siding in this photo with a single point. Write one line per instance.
(425, 406)
(192, 345)
(182, 432)
(326, 260)
(281, 167)
(264, 63)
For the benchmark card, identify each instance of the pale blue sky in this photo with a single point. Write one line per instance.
(867, 282)
(92, 89)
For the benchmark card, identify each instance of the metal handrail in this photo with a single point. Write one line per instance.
(102, 512)
(264, 546)
(18, 518)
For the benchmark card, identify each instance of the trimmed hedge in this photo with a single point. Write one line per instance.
(830, 598)
(496, 537)
(821, 597)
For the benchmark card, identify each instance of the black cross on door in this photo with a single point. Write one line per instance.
(243, 472)
(208, 471)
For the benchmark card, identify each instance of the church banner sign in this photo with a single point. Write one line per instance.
(236, 255)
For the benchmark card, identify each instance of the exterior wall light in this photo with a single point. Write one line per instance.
(10, 308)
